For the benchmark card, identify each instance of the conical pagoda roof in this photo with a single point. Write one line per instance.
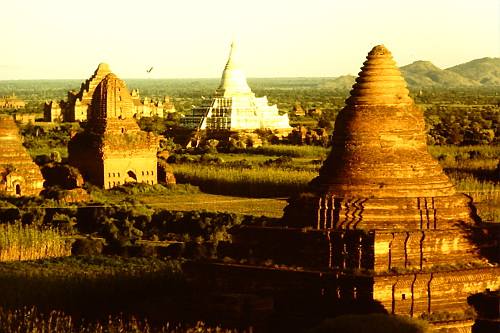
(379, 141)
(233, 81)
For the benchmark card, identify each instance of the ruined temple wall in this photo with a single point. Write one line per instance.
(416, 293)
(279, 246)
(422, 249)
(280, 281)
(52, 112)
(352, 249)
(400, 294)
(79, 113)
(319, 249)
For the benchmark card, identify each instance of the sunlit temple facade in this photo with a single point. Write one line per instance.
(234, 106)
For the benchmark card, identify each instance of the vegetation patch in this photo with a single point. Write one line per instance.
(18, 242)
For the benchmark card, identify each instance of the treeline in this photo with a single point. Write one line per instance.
(463, 125)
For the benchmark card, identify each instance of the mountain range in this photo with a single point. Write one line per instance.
(478, 72)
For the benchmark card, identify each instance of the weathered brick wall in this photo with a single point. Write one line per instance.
(320, 249)
(279, 281)
(400, 294)
(353, 249)
(423, 249)
(414, 294)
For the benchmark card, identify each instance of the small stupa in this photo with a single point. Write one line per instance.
(234, 107)
(19, 175)
(381, 229)
(113, 150)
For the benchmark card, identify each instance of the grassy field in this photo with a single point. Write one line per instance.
(255, 182)
(271, 207)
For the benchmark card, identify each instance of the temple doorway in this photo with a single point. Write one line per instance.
(18, 189)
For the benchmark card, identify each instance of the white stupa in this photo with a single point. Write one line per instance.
(234, 106)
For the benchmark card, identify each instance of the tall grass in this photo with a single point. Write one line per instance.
(257, 182)
(18, 242)
(465, 152)
(472, 169)
(30, 321)
(292, 151)
(485, 194)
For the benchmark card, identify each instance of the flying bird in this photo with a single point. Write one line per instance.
(149, 70)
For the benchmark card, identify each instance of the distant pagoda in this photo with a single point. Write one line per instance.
(19, 175)
(113, 150)
(11, 101)
(381, 229)
(78, 105)
(234, 107)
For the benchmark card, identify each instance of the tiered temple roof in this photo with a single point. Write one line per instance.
(77, 107)
(19, 175)
(234, 106)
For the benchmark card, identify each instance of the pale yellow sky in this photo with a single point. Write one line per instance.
(58, 39)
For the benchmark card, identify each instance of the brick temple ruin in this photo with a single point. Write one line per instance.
(78, 104)
(113, 150)
(381, 229)
(19, 175)
(234, 107)
(11, 101)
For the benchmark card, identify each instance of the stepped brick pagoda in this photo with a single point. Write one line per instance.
(234, 107)
(381, 229)
(113, 150)
(19, 175)
(78, 105)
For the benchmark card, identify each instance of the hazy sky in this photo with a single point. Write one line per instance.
(59, 39)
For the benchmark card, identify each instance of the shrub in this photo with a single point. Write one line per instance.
(87, 246)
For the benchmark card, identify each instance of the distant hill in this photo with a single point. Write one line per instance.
(475, 73)
(343, 82)
(424, 73)
(484, 70)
